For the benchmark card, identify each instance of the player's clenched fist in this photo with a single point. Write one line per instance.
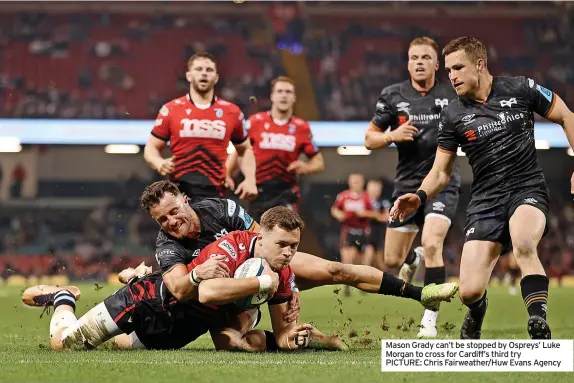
(298, 337)
(404, 206)
(405, 132)
(166, 166)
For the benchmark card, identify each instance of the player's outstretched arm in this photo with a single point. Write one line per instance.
(434, 183)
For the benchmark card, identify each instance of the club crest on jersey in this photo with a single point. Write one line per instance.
(266, 125)
(218, 112)
(441, 102)
(164, 111)
(292, 128)
(508, 103)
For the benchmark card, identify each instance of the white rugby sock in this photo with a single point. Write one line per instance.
(61, 319)
(429, 318)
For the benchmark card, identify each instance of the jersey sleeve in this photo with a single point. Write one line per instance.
(168, 253)
(309, 147)
(286, 287)
(339, 202)
(447, 134)
(384, 112)
(239, 128)
(237, 218)
(540, 99)
(161, 128)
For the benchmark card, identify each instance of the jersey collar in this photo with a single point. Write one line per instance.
(213, 100)
(252, 247)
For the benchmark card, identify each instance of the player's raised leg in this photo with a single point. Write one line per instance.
(66, 331)
(311, 271)
(434, 232)
(476, 264)
(527, 226)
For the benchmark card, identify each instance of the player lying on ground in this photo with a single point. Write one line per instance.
(185, 229)
(155, 320)
(493, 121)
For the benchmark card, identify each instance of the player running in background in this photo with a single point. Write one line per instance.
(492, 120)
(199, 127)
(186, 229)
(376, 241)
(411, 109)
(279, 138)
(353, 209)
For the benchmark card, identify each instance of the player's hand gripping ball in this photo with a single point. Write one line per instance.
(253, 267)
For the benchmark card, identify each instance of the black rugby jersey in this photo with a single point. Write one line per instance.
(498, 136)
(396, 105)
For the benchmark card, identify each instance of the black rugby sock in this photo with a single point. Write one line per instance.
(411, 256)
(535, 294)
(478, 308)
(270, 341)
(396, 287)
(435, 275)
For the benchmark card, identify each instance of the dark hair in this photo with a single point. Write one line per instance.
(201, 55)
(474, 48)
(283, 217)
(424, 40)
(154, 193)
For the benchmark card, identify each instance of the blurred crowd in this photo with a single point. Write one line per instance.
(101, 57)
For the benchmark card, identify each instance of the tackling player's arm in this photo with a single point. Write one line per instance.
(157, 142)
(221, 291)
(178, 279)
(560, 114)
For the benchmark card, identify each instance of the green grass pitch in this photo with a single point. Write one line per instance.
(362, 320)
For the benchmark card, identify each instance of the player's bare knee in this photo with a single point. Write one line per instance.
(432, 250)
(392, 260)
(524, 248)
(469, 294)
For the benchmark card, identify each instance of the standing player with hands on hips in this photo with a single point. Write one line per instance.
(411, 109)
(199, 127)
(492, 120)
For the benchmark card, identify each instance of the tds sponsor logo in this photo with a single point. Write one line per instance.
(228, 248)
(278, 141)
(203, 128)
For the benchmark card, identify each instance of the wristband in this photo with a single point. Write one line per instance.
(422, 195)
(193, 278)
(265, 282)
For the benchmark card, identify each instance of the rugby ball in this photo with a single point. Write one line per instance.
(253, 267)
